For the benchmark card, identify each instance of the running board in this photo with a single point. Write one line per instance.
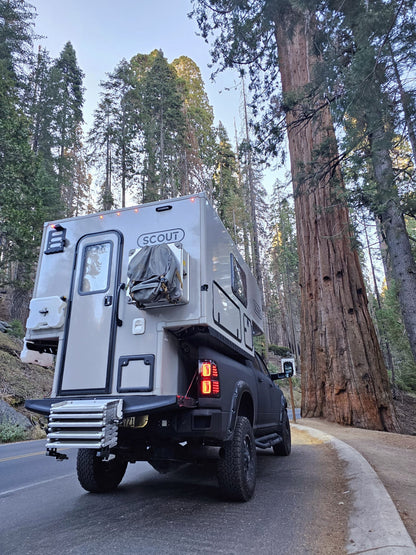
(88, 424)
(268, 441)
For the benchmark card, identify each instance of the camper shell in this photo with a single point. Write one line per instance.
(143, 308)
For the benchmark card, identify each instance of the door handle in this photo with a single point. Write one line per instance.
(119, 290)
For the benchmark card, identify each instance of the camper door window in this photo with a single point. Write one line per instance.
(95, 274)
(238, 281)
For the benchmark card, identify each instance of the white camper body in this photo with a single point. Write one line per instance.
(105, 344)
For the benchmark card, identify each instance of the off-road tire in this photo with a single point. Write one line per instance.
(284, 448)
(97, 475)
(238, 463)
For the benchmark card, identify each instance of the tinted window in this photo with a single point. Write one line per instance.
(261, 365)
(238, 281)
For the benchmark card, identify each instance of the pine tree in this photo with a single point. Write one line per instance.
(67, 100)
(100, 141)
(284, 310)
(164, 129)
(198, 157)
(225, 192)
(116, 133)
(20, 198)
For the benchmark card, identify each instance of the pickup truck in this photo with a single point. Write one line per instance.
(150, 312)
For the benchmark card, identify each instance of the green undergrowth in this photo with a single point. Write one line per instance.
(20, 381)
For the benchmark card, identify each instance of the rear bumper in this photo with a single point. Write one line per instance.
(132, 404)
(171, 418)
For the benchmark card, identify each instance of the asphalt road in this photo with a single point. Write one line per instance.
(300, 507)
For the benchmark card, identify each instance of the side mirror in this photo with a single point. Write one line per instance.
(288, 369)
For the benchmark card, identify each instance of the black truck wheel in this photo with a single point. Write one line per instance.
(97, 475)
(237, 466)
(284, 448)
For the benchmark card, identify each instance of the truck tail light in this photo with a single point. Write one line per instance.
(209, 379)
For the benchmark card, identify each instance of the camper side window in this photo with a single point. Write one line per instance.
(238, 281)
(95, 273)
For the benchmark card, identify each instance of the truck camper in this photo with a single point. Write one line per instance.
(150, 312)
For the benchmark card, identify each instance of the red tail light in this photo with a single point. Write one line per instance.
(209, 380)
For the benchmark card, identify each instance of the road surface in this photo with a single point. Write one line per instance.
(300, 507)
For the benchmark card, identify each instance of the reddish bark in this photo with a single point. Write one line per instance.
(344, 378)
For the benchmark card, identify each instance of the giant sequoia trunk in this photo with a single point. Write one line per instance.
(343, 374)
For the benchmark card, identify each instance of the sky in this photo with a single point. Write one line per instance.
(103, 32)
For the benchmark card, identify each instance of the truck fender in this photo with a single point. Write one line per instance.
(241, 387)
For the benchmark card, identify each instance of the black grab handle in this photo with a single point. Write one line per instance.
(119, 290)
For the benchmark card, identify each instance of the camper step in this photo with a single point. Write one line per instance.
(77, 424)
(76, 435)
(76, 416)
(90, 423)
(87, 405)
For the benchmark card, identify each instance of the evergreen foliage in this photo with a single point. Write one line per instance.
(199, 147)
(20, 200)
(113, 138)
(225, 188)
(283, 298)
(389, 321)
(366, 61)
(65, 80)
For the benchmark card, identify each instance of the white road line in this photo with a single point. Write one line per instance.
(8, 492)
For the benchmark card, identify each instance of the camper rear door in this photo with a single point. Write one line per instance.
(91, 327)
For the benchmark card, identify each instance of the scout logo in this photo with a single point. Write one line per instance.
(159, 237)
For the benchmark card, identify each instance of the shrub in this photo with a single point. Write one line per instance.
(11, 432)
(280, 351)
(16, 329)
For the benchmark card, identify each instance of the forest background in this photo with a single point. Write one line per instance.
(153, 135)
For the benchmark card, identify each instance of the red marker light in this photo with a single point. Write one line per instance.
(215, 387)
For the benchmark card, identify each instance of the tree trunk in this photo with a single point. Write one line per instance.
(252, 203)
(343, 375)
(403, 266)
(406, 102)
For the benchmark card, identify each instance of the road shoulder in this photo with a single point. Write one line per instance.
(375, 523)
